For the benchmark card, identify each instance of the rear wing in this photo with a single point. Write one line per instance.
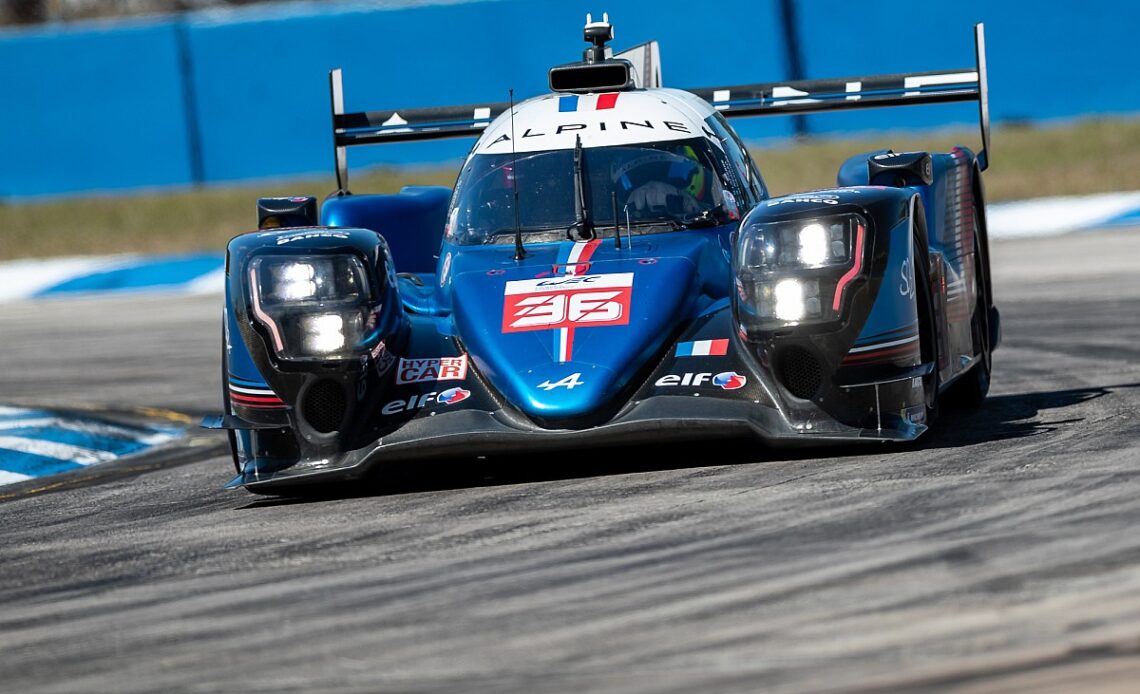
(774, 98)
(375, 127)
(907, 89)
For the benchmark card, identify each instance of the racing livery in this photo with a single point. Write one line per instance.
(608, 269)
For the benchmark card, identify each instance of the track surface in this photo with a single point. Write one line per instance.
(1000, 555)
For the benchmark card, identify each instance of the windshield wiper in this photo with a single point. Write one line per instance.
(582, 224)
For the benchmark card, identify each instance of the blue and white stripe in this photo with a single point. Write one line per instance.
(1061, 215)
(200, 273)
(37, 443)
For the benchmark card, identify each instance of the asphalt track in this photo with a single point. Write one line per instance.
(1001, 554)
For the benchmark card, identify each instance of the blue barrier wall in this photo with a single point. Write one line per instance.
(91, 109)
(223, 96)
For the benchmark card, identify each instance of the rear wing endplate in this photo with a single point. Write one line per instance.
(774, 98)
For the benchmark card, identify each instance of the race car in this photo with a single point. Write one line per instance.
(609, 269)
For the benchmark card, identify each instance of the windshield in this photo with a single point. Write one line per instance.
(676, 183)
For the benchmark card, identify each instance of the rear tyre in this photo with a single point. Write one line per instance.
(927, 332)
(970, 390)
(927, 322)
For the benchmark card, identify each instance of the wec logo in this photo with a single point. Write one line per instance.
(583, 301)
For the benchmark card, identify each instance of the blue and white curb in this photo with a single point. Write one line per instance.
(37, 443)
(1061, 215)
(200, 273)
(203, 273)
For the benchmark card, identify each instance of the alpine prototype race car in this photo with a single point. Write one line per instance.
(609, 269)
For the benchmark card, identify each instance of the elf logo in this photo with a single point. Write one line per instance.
(726, 380)
(416, 402)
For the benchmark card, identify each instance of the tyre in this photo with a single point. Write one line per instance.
(927, 323)
(970, 390)
(230, 433)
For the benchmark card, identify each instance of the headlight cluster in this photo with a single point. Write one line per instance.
(315, 307)
(794, 272)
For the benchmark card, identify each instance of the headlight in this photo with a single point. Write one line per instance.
(314, 307)
(790, 273)
(300, 278)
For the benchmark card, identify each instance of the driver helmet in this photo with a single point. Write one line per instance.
(691, 174)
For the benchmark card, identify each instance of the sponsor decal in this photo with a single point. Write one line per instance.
(432, 369)
(283, 238)
(729, 380)
(382, 358)
(450, 396)
(703, 348)
(906, 275)
(730, 204)
(634, 127)
(453, 395)
(726, 380)
(566, 302)
(817, 199)
(569, 383)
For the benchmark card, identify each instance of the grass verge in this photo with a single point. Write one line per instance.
(1088, 156)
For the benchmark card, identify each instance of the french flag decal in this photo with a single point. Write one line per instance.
(703, 348)
(569, 103)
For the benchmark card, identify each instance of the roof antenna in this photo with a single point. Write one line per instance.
(520, 252)
(617, 222)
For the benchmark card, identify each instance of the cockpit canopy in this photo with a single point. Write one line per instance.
(658, 186)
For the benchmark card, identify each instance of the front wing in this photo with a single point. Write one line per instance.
(681, 398)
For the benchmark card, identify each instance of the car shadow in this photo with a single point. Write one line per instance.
(1002, 417)
(1011, 416)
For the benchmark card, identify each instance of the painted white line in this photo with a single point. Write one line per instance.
(12, 477)
(59, 451)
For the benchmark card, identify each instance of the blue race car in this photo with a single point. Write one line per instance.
(608, 270)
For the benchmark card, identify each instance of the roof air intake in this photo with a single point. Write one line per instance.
(598, 70)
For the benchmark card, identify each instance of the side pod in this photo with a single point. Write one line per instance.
(316, 317)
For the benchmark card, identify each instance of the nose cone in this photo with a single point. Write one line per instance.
(562, 346)
(555, 390)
